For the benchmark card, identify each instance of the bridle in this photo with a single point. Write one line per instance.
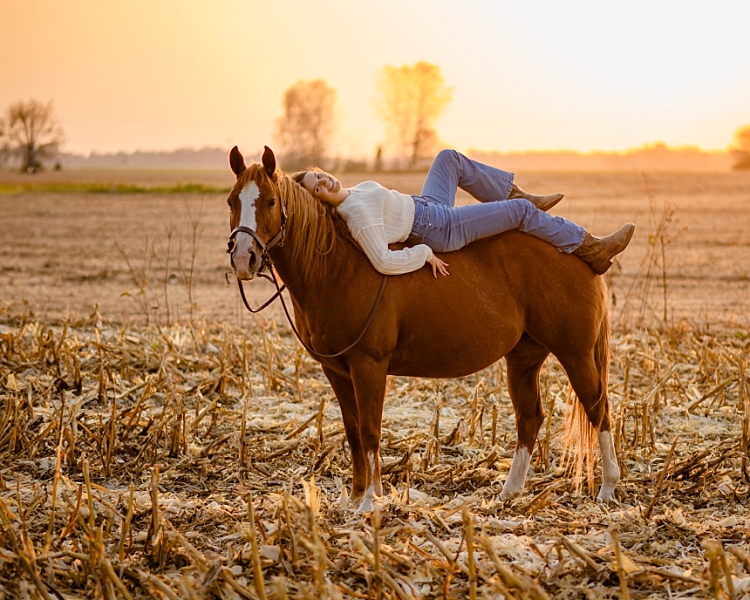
(266, 264)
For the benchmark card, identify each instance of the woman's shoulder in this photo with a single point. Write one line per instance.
(368, 186)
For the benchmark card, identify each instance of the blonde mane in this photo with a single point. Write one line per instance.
(311, 225)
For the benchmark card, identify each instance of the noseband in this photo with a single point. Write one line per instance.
(277, 240)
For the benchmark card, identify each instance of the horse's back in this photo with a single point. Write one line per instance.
(499, 288)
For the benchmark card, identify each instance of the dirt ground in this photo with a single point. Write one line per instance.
(172, 446)
(163, 255)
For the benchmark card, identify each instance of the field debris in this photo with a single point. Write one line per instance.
(204, 461)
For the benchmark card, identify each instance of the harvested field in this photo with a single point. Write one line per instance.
(166, 445)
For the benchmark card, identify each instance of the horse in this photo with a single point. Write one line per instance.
(509, 295)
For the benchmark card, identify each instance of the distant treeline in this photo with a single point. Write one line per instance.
(184, 158)
(656, 157)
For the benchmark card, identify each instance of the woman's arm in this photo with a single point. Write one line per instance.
(373, 242)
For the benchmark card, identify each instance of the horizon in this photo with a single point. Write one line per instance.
(658, 145)
(583, 77)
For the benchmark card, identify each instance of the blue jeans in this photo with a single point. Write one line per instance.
(445, 227)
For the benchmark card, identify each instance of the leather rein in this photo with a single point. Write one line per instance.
(266, 264)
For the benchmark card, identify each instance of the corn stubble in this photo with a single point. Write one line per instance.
(209, 462)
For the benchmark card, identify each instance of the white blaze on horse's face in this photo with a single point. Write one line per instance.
(243, 241)
(248, 196)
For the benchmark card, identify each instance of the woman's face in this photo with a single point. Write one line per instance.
(323, 186)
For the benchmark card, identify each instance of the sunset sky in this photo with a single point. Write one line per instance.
(582, 75)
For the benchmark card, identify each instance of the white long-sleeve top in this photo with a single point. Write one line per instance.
(376, 217)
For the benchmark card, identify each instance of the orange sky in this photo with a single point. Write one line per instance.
(158, 75)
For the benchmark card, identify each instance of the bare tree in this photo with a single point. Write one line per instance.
(410, 101)
(34, 133)
(4, 150)
(741, 150)
(304, 131)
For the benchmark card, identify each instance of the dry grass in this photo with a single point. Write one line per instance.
(209, 462)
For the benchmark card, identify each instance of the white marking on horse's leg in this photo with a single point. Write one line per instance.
(517, 474)
(610, 470)
(367, 501)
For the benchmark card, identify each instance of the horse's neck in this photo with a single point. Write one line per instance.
(299, 282)
(331, 273)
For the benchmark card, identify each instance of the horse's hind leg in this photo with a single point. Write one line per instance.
(524, 362)
(587, 382)
(344, 390)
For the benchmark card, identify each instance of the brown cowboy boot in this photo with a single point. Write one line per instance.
(541, 202)
(598, 252)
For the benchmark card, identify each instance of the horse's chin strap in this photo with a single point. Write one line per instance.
(277, 294)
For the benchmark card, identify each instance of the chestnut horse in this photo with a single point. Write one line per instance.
(510, 295)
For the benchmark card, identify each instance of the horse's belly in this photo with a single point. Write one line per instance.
(451, 351)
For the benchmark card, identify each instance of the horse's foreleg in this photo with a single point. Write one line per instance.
(344, 391)
(524, 362)
(369, 381)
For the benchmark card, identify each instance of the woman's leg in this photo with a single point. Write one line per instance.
(451, 170)
(452, 228)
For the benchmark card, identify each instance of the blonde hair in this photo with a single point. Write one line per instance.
(310, 223)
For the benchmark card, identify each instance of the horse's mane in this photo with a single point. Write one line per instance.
(310, 223)
(314, 226)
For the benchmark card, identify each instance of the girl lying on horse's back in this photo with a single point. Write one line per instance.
(377, 216)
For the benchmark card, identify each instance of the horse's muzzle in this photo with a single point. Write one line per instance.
(246, 264)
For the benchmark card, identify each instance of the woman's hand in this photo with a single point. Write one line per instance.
(438, 265)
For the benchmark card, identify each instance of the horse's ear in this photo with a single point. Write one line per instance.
(269, 161)
(236, 161)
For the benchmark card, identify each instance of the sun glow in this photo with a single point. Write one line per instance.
(579, 75)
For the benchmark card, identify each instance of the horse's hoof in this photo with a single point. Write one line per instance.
(366, 506)
(606, 495)
(509, 494)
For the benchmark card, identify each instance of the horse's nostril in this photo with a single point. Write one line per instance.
(251, 261)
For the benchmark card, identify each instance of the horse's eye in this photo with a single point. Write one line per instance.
(271, 202)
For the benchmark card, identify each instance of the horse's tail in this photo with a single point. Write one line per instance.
(580, 432)
(601, 359)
